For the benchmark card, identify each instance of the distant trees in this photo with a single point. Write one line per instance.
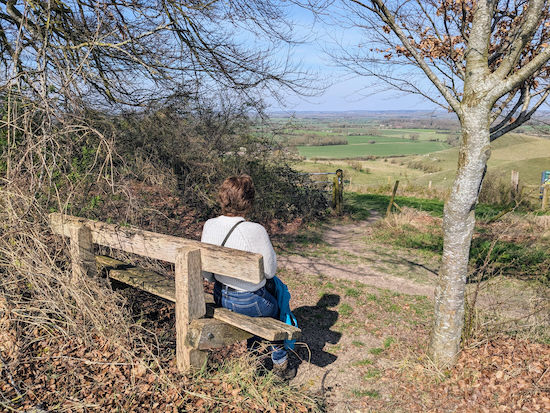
(487, 61)
(310, 139)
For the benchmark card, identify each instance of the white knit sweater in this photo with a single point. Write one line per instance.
(248, 236)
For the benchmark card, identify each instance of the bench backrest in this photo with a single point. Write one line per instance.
(189, 258)
(244, 265)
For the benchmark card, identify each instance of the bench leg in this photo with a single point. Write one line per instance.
(191, 359)
(82, 253)
(190, 306)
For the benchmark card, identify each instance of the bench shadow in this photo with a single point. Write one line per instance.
(316, 322)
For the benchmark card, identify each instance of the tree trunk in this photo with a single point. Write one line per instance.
(458, 227)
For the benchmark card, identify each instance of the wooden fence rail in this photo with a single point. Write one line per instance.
(543, 193)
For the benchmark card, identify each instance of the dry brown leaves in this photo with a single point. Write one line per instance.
(74, 376)
(503, 375)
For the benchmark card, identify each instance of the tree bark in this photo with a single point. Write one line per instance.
(458, 227)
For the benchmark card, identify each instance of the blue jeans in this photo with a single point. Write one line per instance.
(253, 304)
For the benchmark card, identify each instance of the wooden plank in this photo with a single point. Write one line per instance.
(82, 254)
(149, 281)
(189, 306)
(244, 265)
(208, 333)
(265, 327)
(139, 278)
(145, 280)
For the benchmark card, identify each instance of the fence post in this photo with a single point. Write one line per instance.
(338, 192)
(514, 184)
(545, 196)
(392, 198)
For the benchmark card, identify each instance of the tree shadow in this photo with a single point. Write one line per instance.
(316, 322)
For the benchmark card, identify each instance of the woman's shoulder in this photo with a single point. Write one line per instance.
(250, 224)
(253, 229)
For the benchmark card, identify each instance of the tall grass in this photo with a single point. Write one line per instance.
(508, 281)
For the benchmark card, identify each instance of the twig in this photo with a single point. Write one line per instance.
(6, 369)
(540, 378)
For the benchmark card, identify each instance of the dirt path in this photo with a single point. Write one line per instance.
(328, 355)
(349, 238)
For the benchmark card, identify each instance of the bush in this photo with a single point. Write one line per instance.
(424, 166)
(197, 151)
(495, 190)
(358, 166)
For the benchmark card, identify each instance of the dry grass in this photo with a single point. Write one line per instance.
(409, 216)
(59, 339)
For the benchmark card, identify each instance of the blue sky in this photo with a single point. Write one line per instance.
(346, 95)
(346, 92)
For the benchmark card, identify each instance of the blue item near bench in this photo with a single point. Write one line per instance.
(280, 291)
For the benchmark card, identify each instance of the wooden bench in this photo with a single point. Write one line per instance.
(200, 325)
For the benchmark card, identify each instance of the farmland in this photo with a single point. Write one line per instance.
(414, 148)
(367, 134)
(363, 146)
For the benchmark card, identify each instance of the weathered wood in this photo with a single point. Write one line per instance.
(244, 265)
(338, 192)
(388, 211)
(145, 280)
(188, 284)
(514, 184)
(207, 333)
(82, 253)
(189, 305)
(265, 327)
(165, 287)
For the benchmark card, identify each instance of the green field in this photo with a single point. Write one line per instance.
(410, 147)
(361, 148)
(530, 155)
(357, 140)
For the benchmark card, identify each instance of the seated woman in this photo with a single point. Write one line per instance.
(236, 197)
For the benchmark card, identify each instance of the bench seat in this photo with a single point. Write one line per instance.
(157, 284)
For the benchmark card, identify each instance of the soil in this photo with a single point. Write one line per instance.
(365, 317)
(332, 374)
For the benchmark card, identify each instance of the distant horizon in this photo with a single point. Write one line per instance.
(437, 111)
(358, 110)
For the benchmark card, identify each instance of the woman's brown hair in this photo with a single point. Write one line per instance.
(237, 195)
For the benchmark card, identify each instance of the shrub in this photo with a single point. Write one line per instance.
(495, 190)
(424, 166)
(358, 166)
(196, 151)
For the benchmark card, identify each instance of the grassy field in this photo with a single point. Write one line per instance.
(529, 155)
(385, 142)
(359, 146)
